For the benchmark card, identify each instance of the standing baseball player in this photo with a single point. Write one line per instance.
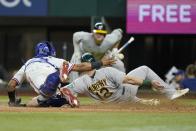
(99, 43)
(45, 72)
(111, 85)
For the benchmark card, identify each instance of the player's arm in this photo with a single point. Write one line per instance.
(77, 37)
(76, 41)
(115, 37)
(18, 77)
(12, 85)
(117, 34)
(11, 90)
(85, 66)
(13, 100)
(77, 51)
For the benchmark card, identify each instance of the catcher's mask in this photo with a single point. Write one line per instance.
(87, 57)
(45, 48)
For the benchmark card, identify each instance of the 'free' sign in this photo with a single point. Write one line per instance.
(161, 16)
(169, 13)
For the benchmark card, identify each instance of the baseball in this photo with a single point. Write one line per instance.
(120, 56)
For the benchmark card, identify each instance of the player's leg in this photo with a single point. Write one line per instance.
(57, 101)
(145, 72)
(153, 102)
(35, 101)
(48, 91)
(50, 85)
(75, 60)
(41, 101)
(49, 88)
(130, 94)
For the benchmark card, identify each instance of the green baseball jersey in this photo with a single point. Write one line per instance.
(86, 42)
(105, 85)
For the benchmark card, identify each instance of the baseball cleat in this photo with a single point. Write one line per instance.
(152, 102)
(73, 101)
(179, 93)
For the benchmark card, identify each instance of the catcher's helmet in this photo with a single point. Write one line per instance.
(52, 50)
(99, 27)
(44, 48)
(87, 57)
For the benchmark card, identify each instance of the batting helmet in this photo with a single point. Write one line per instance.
(45, 48)
(99, 27)
(87, 57)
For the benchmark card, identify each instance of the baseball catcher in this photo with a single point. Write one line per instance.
(45, 73)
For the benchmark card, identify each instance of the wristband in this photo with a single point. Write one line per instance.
(146, 83)
(96, 64)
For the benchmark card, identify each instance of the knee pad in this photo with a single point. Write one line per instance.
(50, 86)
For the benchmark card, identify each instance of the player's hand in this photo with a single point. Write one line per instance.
(106, 61)
(115, 54)
(16, 103)
(157, 86)
(64, 72)
(73, 101)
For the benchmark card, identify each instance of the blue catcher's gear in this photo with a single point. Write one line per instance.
(87, 57)
(44, 49)
(54, 101)
(50, 86)
(57, 101)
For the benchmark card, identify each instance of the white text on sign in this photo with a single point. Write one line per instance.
(170, 13)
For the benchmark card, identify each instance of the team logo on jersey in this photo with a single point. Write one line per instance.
(99, 89)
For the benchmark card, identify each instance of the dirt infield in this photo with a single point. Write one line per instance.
(165, 106)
